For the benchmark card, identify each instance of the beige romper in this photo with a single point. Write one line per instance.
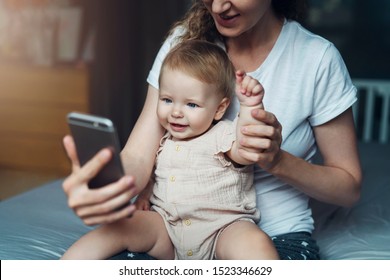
(199, 193)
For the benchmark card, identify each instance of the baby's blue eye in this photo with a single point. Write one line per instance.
(166, 100)
(192, 105)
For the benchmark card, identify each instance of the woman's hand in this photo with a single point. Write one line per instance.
(96, 206)
(261, 142)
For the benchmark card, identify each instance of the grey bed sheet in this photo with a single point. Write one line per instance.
(363, 231)
(39, 225)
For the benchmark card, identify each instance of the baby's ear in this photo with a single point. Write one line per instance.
(222, 107)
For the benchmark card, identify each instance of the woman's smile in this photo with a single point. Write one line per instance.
(226, 20)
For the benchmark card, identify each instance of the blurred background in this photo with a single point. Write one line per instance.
(58, 56)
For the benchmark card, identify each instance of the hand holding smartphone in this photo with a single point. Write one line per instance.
(91, 134)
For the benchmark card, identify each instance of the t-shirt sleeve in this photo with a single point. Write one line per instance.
(154, 73)
(334, 91)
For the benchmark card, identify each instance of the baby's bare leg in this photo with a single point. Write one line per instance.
(244, 240)
(143, 232)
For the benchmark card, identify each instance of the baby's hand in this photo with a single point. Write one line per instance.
(142, 204)
(248, 90)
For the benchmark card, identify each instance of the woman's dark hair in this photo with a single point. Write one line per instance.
(290, 9)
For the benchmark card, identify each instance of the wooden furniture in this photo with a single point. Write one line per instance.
(34, 102)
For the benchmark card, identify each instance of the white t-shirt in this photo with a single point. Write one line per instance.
(306, 84)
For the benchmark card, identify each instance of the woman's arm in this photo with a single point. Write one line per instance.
(101, 205)
(139, 153)
(337, 181)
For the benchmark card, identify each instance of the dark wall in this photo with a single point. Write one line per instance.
(360, 29)
(129, 34)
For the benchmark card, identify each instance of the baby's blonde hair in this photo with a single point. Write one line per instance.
(203, 61)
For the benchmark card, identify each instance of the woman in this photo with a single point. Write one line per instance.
(308, 93)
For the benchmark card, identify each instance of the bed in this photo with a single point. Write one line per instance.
(38, 224)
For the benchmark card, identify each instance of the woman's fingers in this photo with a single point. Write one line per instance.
(100, 204)
(261, 142)
(271, 128)
(94, 165)
(81, 176)
(83, 196)
(112, 217)
(70, 150)
(255, 143)
(269, 119)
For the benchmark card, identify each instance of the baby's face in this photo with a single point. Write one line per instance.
(186, 106)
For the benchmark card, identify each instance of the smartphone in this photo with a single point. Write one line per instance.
(91, 134)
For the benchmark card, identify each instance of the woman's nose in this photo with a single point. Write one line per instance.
(220, 6)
